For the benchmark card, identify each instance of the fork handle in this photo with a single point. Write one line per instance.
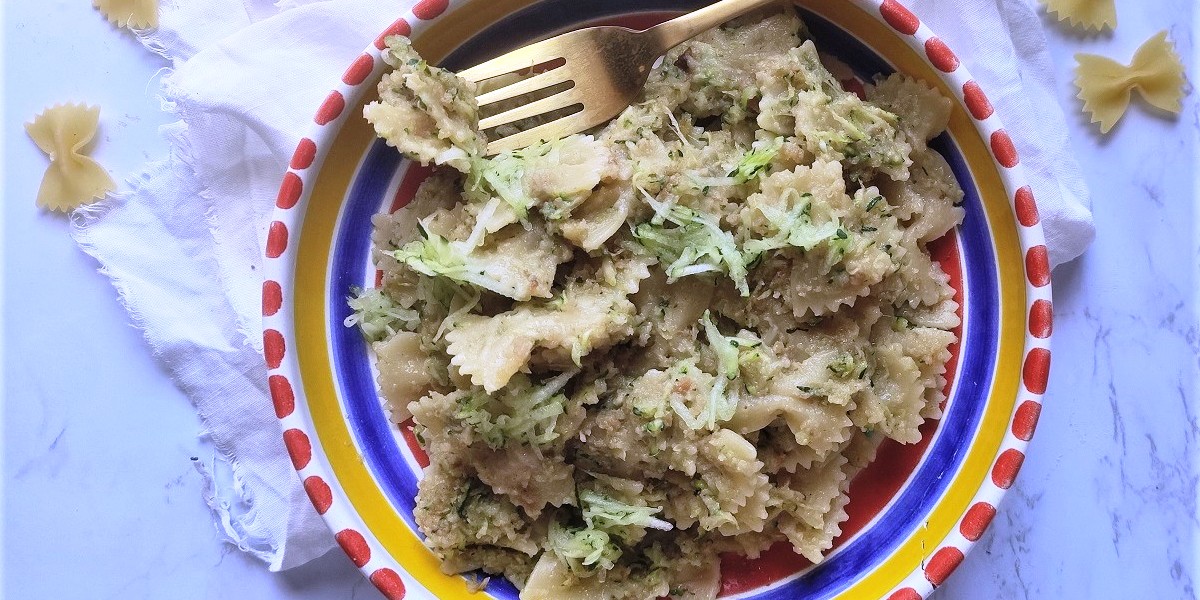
(685, 27)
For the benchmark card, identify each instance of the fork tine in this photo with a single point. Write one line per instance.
(562, 99)
(546, 131)
(521, 58)
(532, 84)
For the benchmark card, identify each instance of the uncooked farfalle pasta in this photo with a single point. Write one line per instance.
(63, 132)
(1105, 85)
(680, 334)
(1087, 14)
(131, 14)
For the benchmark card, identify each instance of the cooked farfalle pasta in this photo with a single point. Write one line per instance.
(133, 14)
(1105, 85)
(680, 334)
(73, 179)
(1088, 14)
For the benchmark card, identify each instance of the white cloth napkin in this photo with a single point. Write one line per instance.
(183, 246)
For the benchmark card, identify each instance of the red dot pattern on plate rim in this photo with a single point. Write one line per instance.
(355, 546)
(977, 102)
(942, 563)
(1041, 319)
(900, 18)
(905, 594)
(430, 9)
(299, 447)
(319, 493)
(1003, 148)
(359, 70)
(977, 519)
(273, 348)
(1036, 370)
(272, 298)
(1037, 265)
(1004, 472)
(388, 582)
(277, 239)
(306, 152)
(282, 395)
(289, 191)
(400, 27)
(945, 560)
(1027, 212)
(331, 109)
(940, 55)
(1026, 419)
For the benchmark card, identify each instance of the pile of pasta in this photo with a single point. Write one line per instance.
(678, 335)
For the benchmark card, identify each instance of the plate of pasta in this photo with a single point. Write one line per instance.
(778, 330)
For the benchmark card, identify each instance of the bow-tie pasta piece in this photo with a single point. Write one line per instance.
(1105, 85)
(72, 179)
(132, 14)
(1088, 14)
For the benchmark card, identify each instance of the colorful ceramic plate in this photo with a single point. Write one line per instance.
(914, 512)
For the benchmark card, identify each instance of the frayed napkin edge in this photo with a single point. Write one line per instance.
(234, 511)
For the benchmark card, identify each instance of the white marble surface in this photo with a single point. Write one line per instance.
(101, 500)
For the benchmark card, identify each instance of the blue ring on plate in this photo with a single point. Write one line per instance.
(375, 435)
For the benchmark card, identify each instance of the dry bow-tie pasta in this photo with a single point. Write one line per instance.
(680, 334)
(72, 179)
(133, 14)
(1105, 85)
(1088, 14)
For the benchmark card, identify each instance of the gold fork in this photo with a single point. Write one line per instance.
(606, 67)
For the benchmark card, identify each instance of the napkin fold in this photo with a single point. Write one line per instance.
(183, 246)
